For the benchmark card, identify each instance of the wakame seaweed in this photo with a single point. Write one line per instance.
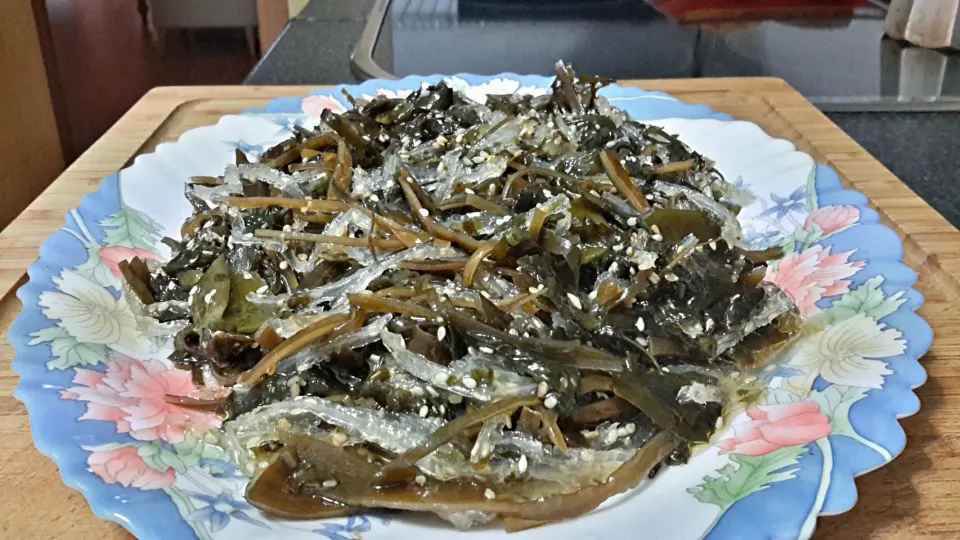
(510, 309)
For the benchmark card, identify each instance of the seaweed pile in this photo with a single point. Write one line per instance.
(512, 309)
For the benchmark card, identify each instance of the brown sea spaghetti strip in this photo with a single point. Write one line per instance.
(318, 330)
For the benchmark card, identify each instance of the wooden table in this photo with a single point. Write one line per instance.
(917, 496)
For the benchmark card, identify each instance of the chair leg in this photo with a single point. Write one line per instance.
(160, 38)
(251, 35)
(143, 6)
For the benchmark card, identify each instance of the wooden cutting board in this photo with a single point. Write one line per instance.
(916, 496)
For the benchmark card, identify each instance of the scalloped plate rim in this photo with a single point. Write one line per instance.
(92, 488)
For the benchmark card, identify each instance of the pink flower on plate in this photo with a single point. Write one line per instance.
(112, 255)
(811, 274)
(772, 427)
(125, 467)
(832, 219)
(313, 106)
(132, 394)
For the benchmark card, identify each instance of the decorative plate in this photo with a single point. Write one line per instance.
(94, 386)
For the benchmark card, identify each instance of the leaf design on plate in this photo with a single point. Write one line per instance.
(160, 458)
(95, 270)
(68, 351)
(131, 228)
(835, 402)
(748, 475)
(867, 299)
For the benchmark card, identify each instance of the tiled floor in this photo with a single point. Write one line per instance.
(107, 60)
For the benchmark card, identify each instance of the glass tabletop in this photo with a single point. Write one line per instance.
(838, 61)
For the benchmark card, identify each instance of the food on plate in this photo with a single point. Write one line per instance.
(511, 310)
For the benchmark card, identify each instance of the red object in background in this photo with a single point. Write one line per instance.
(739, 10)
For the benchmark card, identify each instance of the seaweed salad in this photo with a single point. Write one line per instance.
(509, 310)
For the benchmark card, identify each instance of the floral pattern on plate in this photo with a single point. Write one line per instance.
(95, 385)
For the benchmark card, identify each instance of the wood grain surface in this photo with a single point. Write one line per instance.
(916, 496)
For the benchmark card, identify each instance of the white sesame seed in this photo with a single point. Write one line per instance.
(489, 494)
(648, 196)
(618, 248)
(331, 483)
(302, 256)
(287, 228)
(424, 411)
(440, 378)
(522, 464)
(417, 391)
(622, 432)
(613, 267)
(469, 191)
(469, 382)
(485, 350)
(284, 265)
(263, 289)
(339, 438)
(533, 290)
(540, 287)
(513, 332)
(432, 391)
(442, 409)
(455, 399)
(610, 437)
(374, 198)
(479, 159)
(630, 428)
(550, 402)
(542, 389)
(671, 277)
(485, 294)
(424, 212)
(441, 333)
(655, 229)
(713, 245)
(574, 301)
(375, 357)
(633, 222)
(420, 479)
(640, 324)
(657, 237)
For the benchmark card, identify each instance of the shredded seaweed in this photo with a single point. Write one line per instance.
(480, 310)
